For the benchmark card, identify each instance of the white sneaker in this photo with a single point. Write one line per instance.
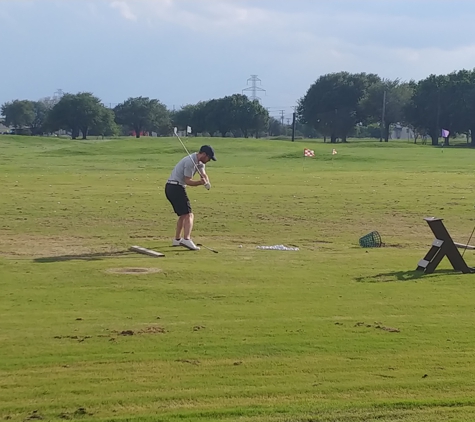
(188, 243)
(176, 242)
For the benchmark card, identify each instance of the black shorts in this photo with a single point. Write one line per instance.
(177, 196)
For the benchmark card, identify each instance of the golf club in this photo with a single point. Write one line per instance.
(206, 247)
(175, 131)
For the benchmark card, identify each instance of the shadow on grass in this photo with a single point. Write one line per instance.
(396, 276)
(102, 255)
(83, 257)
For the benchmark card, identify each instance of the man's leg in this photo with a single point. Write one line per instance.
(179, 227)
(187, 225)
(183, 208)
(177, 196)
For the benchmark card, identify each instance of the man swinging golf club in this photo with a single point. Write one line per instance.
(175, 191)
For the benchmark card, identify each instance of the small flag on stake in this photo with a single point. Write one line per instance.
(188, 129)
(334, 152)
(445, 133)
(308, 153)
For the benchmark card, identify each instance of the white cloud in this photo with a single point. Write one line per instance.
(332, 55)
(287, 43)
(436, 60)
(124, 9)
(201, 16)
(316, 39)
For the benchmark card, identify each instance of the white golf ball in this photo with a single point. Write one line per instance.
(240, 246)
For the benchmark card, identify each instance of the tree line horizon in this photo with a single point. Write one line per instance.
(336, 106)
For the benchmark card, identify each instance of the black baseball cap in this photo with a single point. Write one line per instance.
(209, 151)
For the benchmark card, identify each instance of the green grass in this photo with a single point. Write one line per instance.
(248, 335)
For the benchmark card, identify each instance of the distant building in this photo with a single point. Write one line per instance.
(4, 128)
(401, 132)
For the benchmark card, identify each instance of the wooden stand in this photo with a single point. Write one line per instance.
(443, 245)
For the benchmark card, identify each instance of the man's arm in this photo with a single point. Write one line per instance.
(190, 182)
(202, 172)
(190, 169)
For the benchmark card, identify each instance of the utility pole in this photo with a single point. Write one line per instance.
(293, 126)
(282, 118)
(254, 89)
(383, 117)
(438, 115)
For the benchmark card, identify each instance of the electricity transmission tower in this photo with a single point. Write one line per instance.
(254, 88)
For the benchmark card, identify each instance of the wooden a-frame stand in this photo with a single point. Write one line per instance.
(443, 245)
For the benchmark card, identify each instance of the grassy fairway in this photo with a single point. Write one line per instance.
(245, 334)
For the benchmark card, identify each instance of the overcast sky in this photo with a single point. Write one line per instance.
(184, 51)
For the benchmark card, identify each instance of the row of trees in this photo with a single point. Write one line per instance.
(235, 113)
(337, 103)
(84, 114)
(335, 106)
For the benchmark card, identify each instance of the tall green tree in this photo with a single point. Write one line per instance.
(384, 103)
(184, 117)
(143, 114)
(332, 103)
(250, 117)
(429, 108)
(193, 115)
(218, 116)
(19, 113)
(275, 127)
(233, 113)
(38, 125)
(198, 117)
(462, 102)
(260, 119)
(105, 125)
(77, 113)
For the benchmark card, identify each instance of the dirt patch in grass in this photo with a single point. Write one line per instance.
(152, 329)
(38, 246)
(133, 271)
(78, 338)
(378, 326)
(189, 361)
(78, 413)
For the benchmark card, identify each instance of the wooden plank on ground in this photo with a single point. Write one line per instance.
(146, 251)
